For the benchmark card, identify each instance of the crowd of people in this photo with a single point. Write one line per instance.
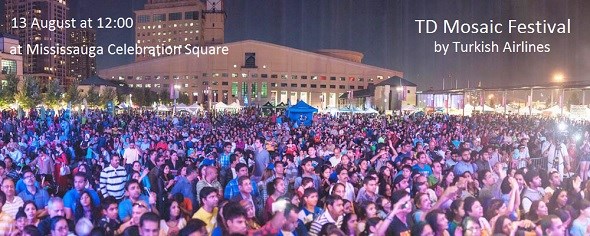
(142, 173)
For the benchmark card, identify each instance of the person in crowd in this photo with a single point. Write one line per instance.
(333, 213)
(173, 220)
(113, 179)
(85, 208)
(32, 192)
(208, 211)
(110, 216)
(13, 202)
(73, 195)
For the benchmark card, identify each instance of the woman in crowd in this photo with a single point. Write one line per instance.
(173, 220)
(86, 209)
(350, 224)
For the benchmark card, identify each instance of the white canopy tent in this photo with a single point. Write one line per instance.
(220, 106)
(371, 111)
(162, 108)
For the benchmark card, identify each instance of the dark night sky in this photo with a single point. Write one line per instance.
(385, 31)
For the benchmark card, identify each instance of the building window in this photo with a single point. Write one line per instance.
(323, 77)
(8, 67)
(314, 77)
(274, 85)
(274, 76)
(361, 79)
(215, 75)
(332, 78)
(351, 78)
(342, 87)
(250, 60)
(254, 75)
(379, 77)
(304, 85)
(351, 87)
(284, 76)
(234, 88)
(314, 85)
(332, 86)
(129, 77)
(191, 15)
(224, 75)
(264, 76)
(244, 89)
(293, 77)
(224, 83)
(342, 78)
(205, 74)
(143, 18)
(254, 90)
(244, 75)
(283, 85)
(234, 75)
(322, 86)
(361, 87)
(264, 90)
(175, 16)
(293, 85)
(205, 83)
(215, 83)
(159, 17)
(304, 77)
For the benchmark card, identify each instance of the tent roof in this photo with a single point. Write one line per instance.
(268, 105)
(301, 106)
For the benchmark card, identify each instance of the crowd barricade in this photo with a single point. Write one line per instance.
(538, 163)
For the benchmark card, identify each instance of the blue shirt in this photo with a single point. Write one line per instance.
(426, 170)
(462, 167)
(231, 189)
(224, 160)
(41, 197)
(184, 187)
(126, 205)
(73, 196)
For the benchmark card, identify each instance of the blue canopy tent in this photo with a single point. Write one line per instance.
(301, 112)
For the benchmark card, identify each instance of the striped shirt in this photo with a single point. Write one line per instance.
(11, 207)
(112, 182)
(5, 223)
(325, 218)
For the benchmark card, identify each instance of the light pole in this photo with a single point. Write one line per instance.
(176, 88)
(560, 78)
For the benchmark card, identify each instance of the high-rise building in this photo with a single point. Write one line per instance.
(41, 66)
(82, 66)
(179, 22)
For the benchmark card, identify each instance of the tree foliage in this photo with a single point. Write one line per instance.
(93, 97)
(73, 94)
(29, 94)
(8, 90)
(53, 96)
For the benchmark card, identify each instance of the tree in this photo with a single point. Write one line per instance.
(54, 94)
(183, 98)
(73, 94)
(29, 94)
(108, 94)
(93, 97)
(8, 90)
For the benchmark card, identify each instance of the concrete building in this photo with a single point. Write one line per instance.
(11, 64)
(179, 22)
(255, 72)
(394, 93)
(82, 66)
(41, 66)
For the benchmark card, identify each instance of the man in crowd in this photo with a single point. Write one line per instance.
(209, 180)
(34, 193)
(261, 159)
(185, 185)
(208, 212)
(332, 214)
(13, 202)
(232, 188)
(73, 196)
(533, 192)
(112, 179)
